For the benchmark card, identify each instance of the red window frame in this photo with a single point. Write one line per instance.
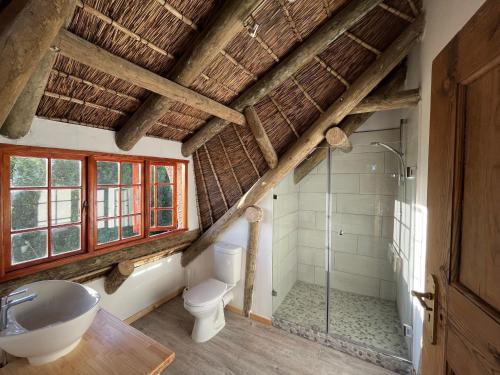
(152, 182)
(89, 247)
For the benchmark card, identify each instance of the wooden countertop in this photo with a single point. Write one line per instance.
(109, 347)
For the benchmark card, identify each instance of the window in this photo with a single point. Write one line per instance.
(53, 214)
(45, 207)
(119, 201)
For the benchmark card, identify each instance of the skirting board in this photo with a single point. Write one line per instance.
(254, 317)
(153, 306)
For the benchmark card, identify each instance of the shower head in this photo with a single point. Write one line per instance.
(386, 146)
(395, 152)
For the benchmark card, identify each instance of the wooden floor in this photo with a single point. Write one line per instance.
(244, 347)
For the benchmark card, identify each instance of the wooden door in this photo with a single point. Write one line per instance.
(463, 244)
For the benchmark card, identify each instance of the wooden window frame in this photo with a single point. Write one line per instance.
(89, 247)
(154, 207)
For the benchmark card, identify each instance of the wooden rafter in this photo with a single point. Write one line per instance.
(96, 13)
(83, 102)
(72, 77)
(170, 126)
(219, 186)
(289, 19)
(20, 51)
(261, 41)
(413, 7)
(326, 7)
(375, 103)
(250, 159)
(204, 184)
(363, 44)
(397, 13)
(68, 121)
(368, 80)
(306, 94)
(237, 64)
(312, 46)
(261, 137)
(89, 54)
(332, 71)
(178, 14)
(226, 155)
(226, 25)
(284, 116)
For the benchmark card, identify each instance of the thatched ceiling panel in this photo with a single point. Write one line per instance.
(232, 76)
(160, 131)
(204, 208)
(214, 89)
(182, 120)
(221, 164)
(307, 15)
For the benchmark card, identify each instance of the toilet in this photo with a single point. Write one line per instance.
(206, 301)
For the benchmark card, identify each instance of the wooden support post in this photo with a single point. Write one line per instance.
(368, 80)
(28, 28)
(312, 46)
(118, 275)
(96, 57)
(338, 139)
(209, 44)
(383, 102)
(261, 137)
(254, 216)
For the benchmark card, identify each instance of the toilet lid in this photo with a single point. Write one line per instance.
(205, 293)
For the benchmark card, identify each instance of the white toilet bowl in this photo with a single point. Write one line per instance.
(206, 302)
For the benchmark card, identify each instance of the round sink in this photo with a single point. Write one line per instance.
(51, 325)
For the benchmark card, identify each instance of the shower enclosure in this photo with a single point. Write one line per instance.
(338, 272)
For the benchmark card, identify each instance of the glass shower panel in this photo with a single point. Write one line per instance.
(362, 305)
(299, 282)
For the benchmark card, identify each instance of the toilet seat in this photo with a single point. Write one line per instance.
(206, 293)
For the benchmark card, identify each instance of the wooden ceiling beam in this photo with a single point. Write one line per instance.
(226, 25)
(350, 124)
(258, 131)
(398, 100)
(79, 49)
(24, 55)
(368, 80)
(312, 46)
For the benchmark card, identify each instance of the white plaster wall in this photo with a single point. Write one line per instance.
(151, 282)
(444, 19)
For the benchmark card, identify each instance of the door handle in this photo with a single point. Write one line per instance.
(428, 300)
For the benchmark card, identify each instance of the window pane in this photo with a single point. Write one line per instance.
(26, 172)
(65, 206)
(131, 200)
(164, 218)
(131, 174)
(65, 239)
(66, 172)
(164, 196)
(165, 173)
(107, 230)
(131, 226)
(29, 246)
(107, 202)
(107, 172)
(28, 209)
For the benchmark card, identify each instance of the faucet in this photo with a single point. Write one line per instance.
(5, 304)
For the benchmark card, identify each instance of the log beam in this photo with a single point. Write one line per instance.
(368, 80)
(306, 51)
(75, 269)
(227, 24)
(118, 275)
(350, 125)
(254, 216)
(376, 103)
(338, 139)
(24, 40)
(79, 49)
(261, 137)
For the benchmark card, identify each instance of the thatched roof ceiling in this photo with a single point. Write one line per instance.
(230, 163)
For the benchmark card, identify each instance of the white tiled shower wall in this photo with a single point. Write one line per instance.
(365, 190)
(285, 227)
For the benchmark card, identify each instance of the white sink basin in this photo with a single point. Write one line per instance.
(51, 325)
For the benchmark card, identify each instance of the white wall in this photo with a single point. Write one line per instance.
(444, 18)
(151, 282)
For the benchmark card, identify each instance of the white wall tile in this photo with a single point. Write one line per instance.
(366, 204)
(312, 238)
(313, 184)
(362, 265)
(383, 184)
(373, 246)
(355, 283)
(312, 201)
(358, 224)
(306, 273)
(388, 290)
(346, 243)
(359, 163)
(345, 183)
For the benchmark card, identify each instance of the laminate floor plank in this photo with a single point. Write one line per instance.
(244, 347)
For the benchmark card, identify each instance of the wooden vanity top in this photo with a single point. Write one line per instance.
(109, 347)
